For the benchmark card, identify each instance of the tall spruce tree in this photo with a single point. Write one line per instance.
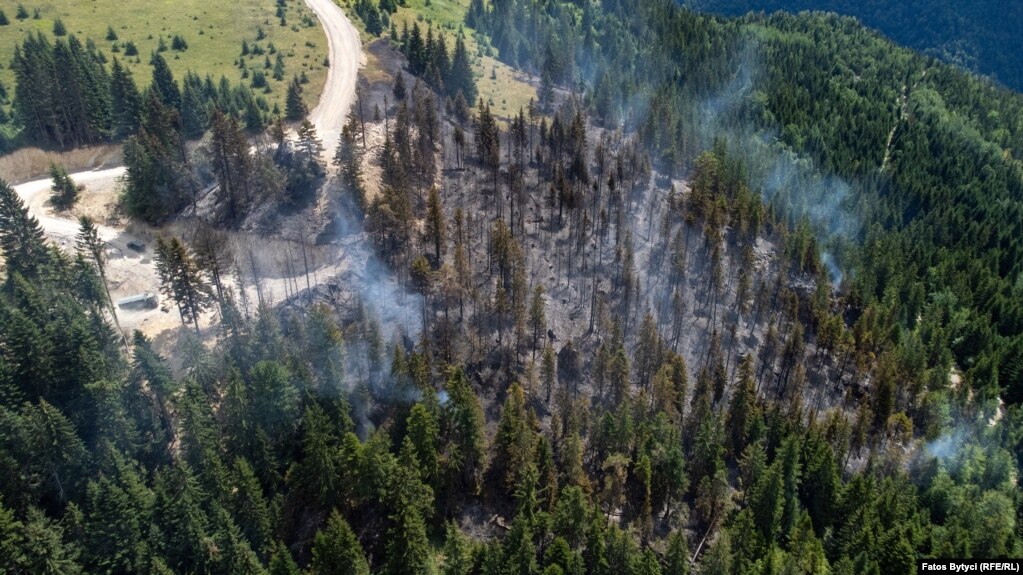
(336, 550)
(294, 108)
(125, 102)
(182, 280)
(463, 426)
(435, 227)
(158, 181)
(164, 84)
(282, 563)
(21, 238)
(461, 78)
(89, 244)
(408, 549)
(194, 117)
(230, 163)
(62, 96)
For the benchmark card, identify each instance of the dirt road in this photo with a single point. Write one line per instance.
(59, 227)
(346, 57)
(130, 272)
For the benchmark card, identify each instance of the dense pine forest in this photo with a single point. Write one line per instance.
(982, 36)
(730, 296)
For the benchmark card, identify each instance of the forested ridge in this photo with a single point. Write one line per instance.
(942, 215)
(731, 296)
(982, 36)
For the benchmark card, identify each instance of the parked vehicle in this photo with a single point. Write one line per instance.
(139, 301)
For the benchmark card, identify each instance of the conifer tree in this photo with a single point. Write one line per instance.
(537, 317)
(707, 463)
(281, 561)
(424, 431)
(148, 394)
(62, 95)
(231, 163)
(53, 451)
(182, 280)
(315, 480)
(114, 531)
(157, 177)
(21, 238)
(648, 353)
(348, 161)
(676, 558)
(743, 409)
(278, 73)
(178, 513)
(336, 551)
(399, 91)
(249, 507)
(408, 549)
(92, 84)
(200, 444)
(791, 471)
(463, 426)
(488, 145)
(549, 372)
(515, 440)
(461, 79)
(458, 558)
(820, 487)
(233, 553)
(308, 143)
(194, 119)
(64, 191)
(164, 84)
(275, 399)
(295, 109)
(93, 247)
(766, 502)
(44, 549)
(125, 101)
(435, 226)
(519, 550)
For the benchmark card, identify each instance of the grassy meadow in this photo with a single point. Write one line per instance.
(503, 87)
(213, 31)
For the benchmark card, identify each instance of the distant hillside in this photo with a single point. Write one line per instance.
(985, 36)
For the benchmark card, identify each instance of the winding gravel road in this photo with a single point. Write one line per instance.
(346, 57)
(137, 271)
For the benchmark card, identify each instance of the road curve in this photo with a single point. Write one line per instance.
(345, 54)
(345, 57)
(35, 193)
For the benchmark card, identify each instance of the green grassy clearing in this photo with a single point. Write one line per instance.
(213, 31)
(499, 84)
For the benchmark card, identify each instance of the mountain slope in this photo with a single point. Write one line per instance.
(985, 36)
